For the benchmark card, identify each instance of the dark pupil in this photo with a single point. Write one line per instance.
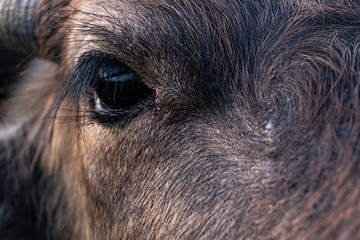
(119, 87)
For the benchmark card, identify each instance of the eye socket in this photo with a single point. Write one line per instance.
(118, 87)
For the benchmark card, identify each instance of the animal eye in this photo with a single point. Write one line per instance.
(119, 87)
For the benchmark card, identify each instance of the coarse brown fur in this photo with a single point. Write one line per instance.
(252, 130)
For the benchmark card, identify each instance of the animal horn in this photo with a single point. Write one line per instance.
(18, 25)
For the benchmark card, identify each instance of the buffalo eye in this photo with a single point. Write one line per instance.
(118, 87)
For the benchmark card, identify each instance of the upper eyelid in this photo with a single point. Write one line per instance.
(90, 64)
(106, 57)
(97, 55)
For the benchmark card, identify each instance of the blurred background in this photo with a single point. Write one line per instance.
(11, 65)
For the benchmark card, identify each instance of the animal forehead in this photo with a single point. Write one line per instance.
(169, 26)
(186, 10)
(181, 40)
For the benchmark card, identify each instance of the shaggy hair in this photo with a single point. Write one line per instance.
(251, 130)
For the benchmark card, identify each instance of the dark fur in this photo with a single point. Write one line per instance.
(253, 130)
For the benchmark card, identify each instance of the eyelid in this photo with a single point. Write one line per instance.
(100, 59)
